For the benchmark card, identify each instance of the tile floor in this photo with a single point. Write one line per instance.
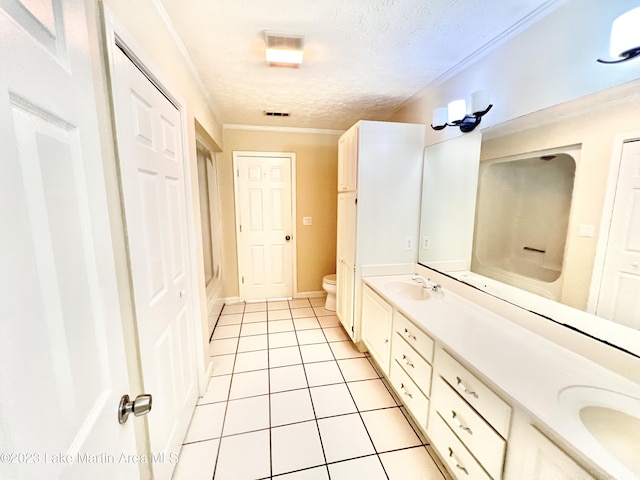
(291, 398)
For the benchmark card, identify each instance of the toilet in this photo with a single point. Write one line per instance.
(329, 286)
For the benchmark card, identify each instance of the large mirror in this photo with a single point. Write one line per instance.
(549, 217)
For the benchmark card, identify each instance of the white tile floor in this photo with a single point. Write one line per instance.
(292, 398)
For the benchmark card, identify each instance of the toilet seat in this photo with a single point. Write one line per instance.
(330, 279)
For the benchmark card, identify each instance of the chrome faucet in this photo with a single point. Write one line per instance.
(426, 283)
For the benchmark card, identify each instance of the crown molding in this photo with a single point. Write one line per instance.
(317, 131)
(518, 27)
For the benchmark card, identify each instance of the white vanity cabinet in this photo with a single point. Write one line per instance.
(377, 318)
(450, 366)
(468, 423)
(412, 353)
(379, 188)
(533, 456)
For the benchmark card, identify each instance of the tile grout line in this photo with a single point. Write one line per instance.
(375, 449)
(295, 331)
(269, 392)
(313, 407)
(226, 407)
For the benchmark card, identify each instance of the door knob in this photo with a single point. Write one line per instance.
(287, 238)
(140, 406)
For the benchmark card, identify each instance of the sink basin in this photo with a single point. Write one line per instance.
(607, 419)
(408, 290)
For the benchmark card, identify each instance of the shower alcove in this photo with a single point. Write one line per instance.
(522, 219)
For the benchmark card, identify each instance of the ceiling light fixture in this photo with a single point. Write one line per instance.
(456, 114)
(284, 50)
(625, 37)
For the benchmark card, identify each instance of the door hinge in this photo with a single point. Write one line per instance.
(243, 280)
(356, 201)
(238, 172)
(240, 228)
(352, 330)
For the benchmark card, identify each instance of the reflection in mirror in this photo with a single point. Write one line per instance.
(448, 202)
(522, 217)
(589, 137)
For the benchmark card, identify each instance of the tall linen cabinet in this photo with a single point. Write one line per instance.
(379, 185)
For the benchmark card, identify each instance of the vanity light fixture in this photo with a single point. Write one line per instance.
(625, 37)
(284, 50)
(456, 114)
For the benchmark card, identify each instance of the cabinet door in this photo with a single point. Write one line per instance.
(346, 242)
(532, 456)
(348, 160)
(345, 278)
(377, 315)
(352, 164)
(343, 160)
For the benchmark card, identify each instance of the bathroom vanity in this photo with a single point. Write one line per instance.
(495, 399)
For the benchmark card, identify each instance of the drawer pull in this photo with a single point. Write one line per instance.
(404, 391)
(466, 390)
(461, 467)
(462, 427)
(407, 362)
(409, 335)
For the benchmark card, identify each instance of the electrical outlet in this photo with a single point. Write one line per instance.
(426, 243)
(306, 220)
(408, 243)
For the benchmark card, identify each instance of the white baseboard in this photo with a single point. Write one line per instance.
(232, 300)
(319, 294)
(209, 369)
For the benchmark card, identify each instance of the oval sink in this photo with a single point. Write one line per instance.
(408, 290)
(610, 419)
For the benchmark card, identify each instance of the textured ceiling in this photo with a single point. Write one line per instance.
(363, 58)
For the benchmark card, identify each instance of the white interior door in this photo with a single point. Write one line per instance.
(62, 361)
(264, 225)
(619, 298)
(152, 175)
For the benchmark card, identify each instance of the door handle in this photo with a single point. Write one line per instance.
(287, 238)
(140, 406)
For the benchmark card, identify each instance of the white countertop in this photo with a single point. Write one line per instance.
(527, 369)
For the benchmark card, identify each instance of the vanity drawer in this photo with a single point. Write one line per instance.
(452, 452)
(412, 363)
(487, 446)
(410, 394)
(415, 337)
(494, 410)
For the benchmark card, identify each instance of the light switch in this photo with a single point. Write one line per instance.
(306, 220)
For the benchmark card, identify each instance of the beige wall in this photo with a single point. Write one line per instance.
(595, 132)
(316, 197)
